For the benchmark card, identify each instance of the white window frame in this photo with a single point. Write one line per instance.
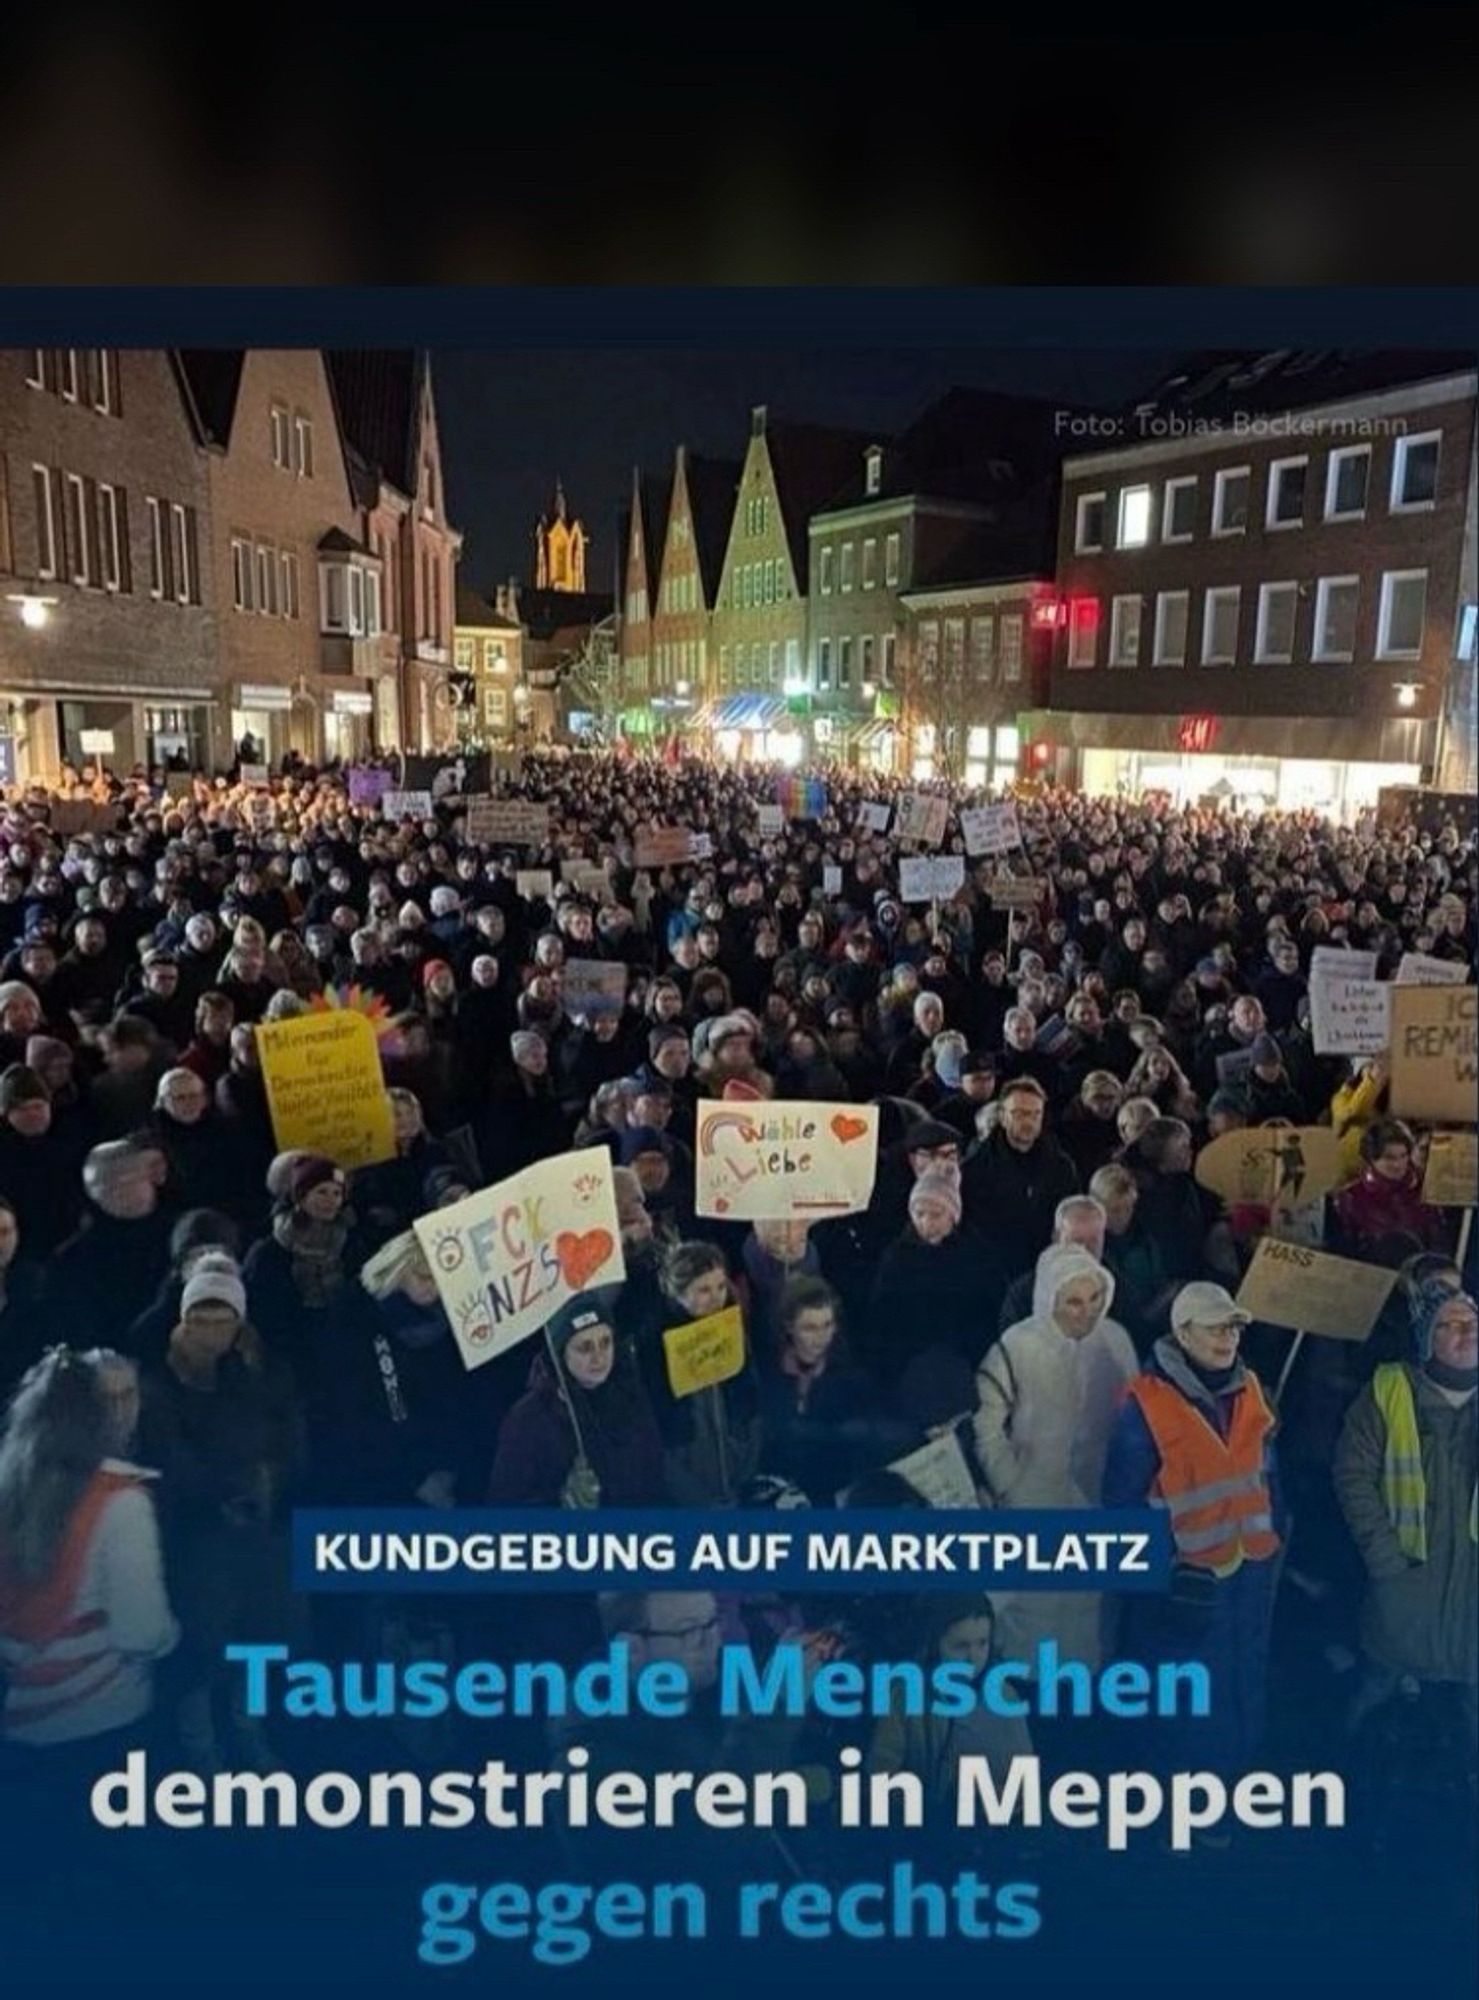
(327, 573)
(46, 566)
(74, 495)
(824, 570)
(1276, 467)
(110, 553)
(374, 624)
(1384, 648)
(1127, 493)
(983, 658)
(179, 522)
(844, 660)
(280, 420)
(1160, 655)
(1219, 489)
(103, 398)
(1262, 657)
(1117, 618)
(845, 565)
(1337, 458)
(1323, 588)
(264, 573)
(1168, 501)
(69, 375)
(1009, 634)
(355, 584)
(303, 445)
(243, 574)
(888, 652)
(1076, 631)
(824, 664)
(870, 563)
(1401, 451)
(929, 649)
(1219, 593)
(155, 515)
(1080, 545)
(287, 583)
(892, 552)
(36, 373)
(872, 474)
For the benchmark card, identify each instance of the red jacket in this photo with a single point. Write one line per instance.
(1373, 1208)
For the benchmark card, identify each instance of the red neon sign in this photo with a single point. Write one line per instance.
(1198, 733)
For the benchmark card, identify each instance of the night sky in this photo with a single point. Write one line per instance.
(511, 421)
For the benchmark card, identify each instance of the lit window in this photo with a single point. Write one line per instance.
(1083, 631)
(1134, 528)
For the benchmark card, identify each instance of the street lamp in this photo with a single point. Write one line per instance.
(870, 692)
(35, 611)
(1406, 693)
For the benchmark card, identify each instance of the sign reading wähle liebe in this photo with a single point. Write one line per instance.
(775, 1162)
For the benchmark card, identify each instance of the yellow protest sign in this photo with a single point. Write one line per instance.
(325, 1089)
(1435, 1052)
(1312, 1291)
(1452, 1176)
(1272, 1166)
(705, 1352)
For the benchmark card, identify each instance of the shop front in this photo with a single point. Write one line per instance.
(750, 728)
(261, 722)
(1335, 766)
(349, 722)
(119, 731)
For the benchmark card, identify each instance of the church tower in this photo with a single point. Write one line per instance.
(559, 547)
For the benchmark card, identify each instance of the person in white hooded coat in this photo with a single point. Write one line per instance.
(1048, 1393)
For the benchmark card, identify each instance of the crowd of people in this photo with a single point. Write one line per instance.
(199, 1330)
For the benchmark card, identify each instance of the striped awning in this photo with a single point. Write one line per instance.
(749, 711)
(875, 731)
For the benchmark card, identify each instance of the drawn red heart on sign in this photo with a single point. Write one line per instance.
(582, 1256)
(847, 1129)
(721, 1204)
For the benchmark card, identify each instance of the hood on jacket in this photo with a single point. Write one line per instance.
(1058, 1266)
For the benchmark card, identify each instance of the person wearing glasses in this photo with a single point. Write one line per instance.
(1195, 1436)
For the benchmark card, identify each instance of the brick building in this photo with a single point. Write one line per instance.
(639, 544)
(108, 597)
(1266, 576)
(488, 647)
(977, 653)
(700, 515)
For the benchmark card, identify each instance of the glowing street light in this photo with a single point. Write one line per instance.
(1406, 693)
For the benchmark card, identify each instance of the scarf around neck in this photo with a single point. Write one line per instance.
(316, 1252)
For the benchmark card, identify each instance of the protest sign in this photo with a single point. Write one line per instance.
(367, 785)
(1267, 1166)
(702, 847)
(1333, 961)
(873, 817)
(534, 884)
(831, 881)
(97, 742)
(1233, 1067)
(73, 816)
(663, 846)
(938, 1472)
(922, 818)
(990, 829)
(770, 1162)
(325, 1087)
(1311, 1291)
(255, 774)
(1015, 892)
(588, 878)
(769, 821)
(507, 822)
(1417, 968)
(508, 1257)
(705, 1352)
(590, 987)
(1452, 1176)
(924, 878)
(1351, 1017)
(1435, 1053)
(406, 805)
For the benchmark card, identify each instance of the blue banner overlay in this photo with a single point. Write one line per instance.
(550, 1549)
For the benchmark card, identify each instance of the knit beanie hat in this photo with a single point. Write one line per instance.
(213, 1282)
(1266, 1050)
(577, 1315)
(312, 1171)
(1428, 1302)
(20, 1085)
(523, 1043)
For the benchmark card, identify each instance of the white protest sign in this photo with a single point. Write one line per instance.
(770, 820)
(1417, 968)
(831, 881)
(1351, 1017)
(507, 1258)
(534, 882)
(990, 829)
(873, 817)
(255, 774)
(1331, 961)
(506, 822)
(406, 805)
(939, 1473)
(702, 848)
(925, 878)
(922, 818)
(774, 1162)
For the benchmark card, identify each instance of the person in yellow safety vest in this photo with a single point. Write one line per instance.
(1405, 1475)
(1195, 1436)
